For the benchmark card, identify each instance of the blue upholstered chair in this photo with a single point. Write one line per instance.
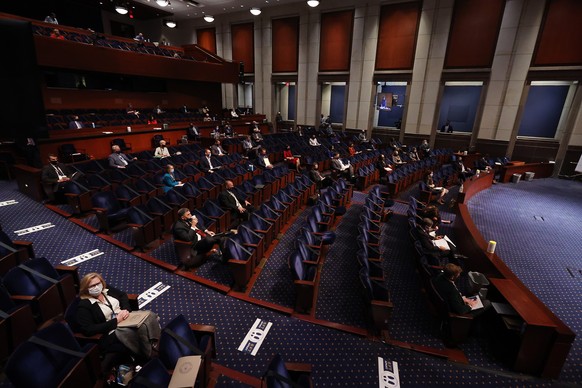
(378, 299)
(108, 209)
(180, 338)
(52, 357)
(16, 324)
(152, 374)
(281, 375)
(304, 277)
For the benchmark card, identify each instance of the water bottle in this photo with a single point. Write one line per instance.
(93, 125)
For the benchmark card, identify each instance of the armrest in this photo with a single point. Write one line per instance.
(100, 209)
(299, 367)
(203, 328)
(133, 303)
(22, 298)
(24, 244)
(381, 303)
(304, 282)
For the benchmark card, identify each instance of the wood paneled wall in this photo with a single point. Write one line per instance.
(474, 32)
(560, 38)
(336, 40)
(243, 45)
(285, 45)
(206, 38)
(398, 29)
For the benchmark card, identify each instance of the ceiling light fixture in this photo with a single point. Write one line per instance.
(256, 11)
(163, 3)
(170, 23)
(121, 9)
(313, 3)
(209, 18)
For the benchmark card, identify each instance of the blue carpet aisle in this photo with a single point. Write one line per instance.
(340, 297)
(339, 359)
(275, 283)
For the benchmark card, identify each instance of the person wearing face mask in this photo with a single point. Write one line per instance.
(162, 151)
(102, 309)
(440, 191)
(203, 242)
(118, 159)
(169, 180)
(55, 177)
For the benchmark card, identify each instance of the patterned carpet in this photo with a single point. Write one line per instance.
(339, 359)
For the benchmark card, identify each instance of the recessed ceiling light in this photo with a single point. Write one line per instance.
(256, 11)
(209, 18)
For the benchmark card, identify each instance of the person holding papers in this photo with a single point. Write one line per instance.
(441, 248)
(168, 179)
(263, 159)
(162, 151)
(240, 209)
(105, 310)
(447, 289)
(440, 191)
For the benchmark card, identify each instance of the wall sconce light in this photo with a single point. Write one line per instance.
(256, 11)
(170, 23)
(209, 18)
(313, 3)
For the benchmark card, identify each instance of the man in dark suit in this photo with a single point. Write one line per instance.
(321, 181)
(75, 123)
(448, 128)
(193, 133)
(54, 177)
(463, 172)
(239, 207)
(207, 164)
(203, 241)
(118, 159)
(458, 304)
(263, 159)
(384, 167)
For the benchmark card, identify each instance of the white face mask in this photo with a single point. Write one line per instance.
(95, 290)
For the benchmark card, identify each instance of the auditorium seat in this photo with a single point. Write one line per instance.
(304, 275)
(52, 357)
(282, 375)
(378, 299)
(241, 261)
(108, 209)
(16, 324)
(180, 338)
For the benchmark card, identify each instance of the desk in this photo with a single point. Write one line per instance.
(28, 180)
(536, 338)
(544, 344)
(542, 170)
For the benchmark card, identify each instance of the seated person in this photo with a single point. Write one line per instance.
(228, 131)
(207, 117)
(463, 171)
(342, 168)
(314, 142)
(256, 136)
(425, 148)
(240, 209)
(75, 123)
(352, 149)
(102, 310)
(54, 177)
(321, 181)
(448, 128)
(248, 146)
(440, 191)
(413, 155)
(56, 34)
(193, 132)
(263, 159)
(152, 119)
(434, 245)
(483, 164)
(384, 167)
(206, 163)
(139, 38)
(158, 110)
(162, 151)
(168, 179)
(431, 212)
(233, 114)
(396, 159)
(131, 111)
(292, 160)
(362, 136)
(444, 283)
(203, 241)
(217, 150)
(118, 159)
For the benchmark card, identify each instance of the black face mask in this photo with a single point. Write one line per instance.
(54, 162)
